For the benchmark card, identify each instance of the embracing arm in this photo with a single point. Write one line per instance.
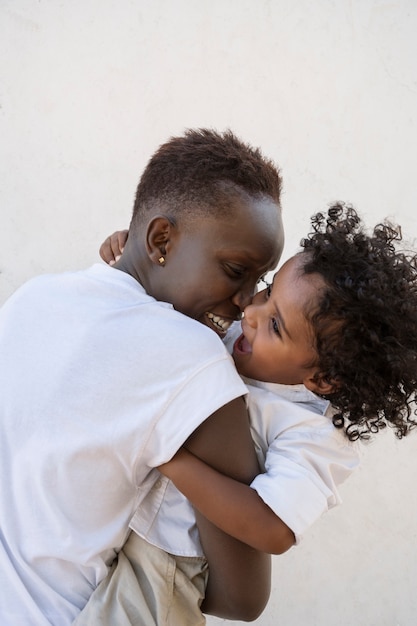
(231, 505)
(239, 576)
(239, 582)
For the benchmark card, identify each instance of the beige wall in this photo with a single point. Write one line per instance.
(89, 88)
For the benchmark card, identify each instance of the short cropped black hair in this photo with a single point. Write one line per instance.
(195, 174)
(366, 321)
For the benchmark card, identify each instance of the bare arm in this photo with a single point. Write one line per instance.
(239, 582)
(239, 576)
(231, 505)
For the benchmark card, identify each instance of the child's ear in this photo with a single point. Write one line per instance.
(317, 383)
(159, 235)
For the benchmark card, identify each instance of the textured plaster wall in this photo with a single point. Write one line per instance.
(89, 88)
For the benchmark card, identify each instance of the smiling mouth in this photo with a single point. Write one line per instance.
(220, 324)
(242, 346)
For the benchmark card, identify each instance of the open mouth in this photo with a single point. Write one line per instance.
(220, 325)
(242, 345)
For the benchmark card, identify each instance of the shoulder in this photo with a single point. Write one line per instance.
(281, 407)
(304, 425)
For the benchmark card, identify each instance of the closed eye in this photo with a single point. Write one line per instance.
(235, 271)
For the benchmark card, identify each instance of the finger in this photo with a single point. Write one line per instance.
(122, 238)
(106, 252)
(117, 242)
(112, 247)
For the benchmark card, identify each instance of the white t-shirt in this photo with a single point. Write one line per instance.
(99, 384)
(303, 456)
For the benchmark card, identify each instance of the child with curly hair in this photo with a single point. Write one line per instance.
(341, 319)
(334, 342)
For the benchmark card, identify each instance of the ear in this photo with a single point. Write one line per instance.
(317, 383)
(159, 235)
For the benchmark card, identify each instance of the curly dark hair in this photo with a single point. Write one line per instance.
(366, 322)
(197, 172)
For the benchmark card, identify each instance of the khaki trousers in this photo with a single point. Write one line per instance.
(148, 587)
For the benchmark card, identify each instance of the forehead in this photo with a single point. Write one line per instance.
(251, 229)
(295, 287)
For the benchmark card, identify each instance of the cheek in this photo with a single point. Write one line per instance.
(215, 288)
(186, 297)
(195, 298)
(275, 365)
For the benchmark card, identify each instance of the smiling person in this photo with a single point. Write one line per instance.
(105, 373)
(328, 353)
(339, 322)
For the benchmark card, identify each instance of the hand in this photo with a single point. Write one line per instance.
(111, 249)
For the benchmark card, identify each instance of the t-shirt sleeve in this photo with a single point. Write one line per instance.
(303, 469)
(212, 386)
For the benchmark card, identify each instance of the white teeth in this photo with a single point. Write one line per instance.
(221, 324)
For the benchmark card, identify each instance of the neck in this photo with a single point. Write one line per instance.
(133, 262)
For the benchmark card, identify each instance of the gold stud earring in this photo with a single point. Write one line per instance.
(161, 260)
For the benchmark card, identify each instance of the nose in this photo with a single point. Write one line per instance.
(251, 315)
(243, 297)
(255, 310)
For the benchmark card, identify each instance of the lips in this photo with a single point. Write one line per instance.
(220, 324)
(242, 346)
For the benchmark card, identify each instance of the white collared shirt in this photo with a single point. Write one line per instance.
(304, 458)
